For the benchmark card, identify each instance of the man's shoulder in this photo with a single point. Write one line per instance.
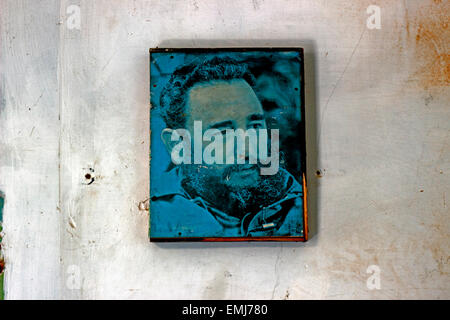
(175, 215)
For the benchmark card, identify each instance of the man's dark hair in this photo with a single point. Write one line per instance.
(174, 94)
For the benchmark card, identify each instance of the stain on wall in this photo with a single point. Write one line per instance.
(431, 41)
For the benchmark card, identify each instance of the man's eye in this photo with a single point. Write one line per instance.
(256, 125)
(224, 129)
(221, 131)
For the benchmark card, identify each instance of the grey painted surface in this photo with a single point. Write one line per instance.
(75, 101)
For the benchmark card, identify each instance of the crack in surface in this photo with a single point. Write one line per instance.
(277, 281)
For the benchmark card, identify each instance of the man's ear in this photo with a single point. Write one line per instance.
(166, 137)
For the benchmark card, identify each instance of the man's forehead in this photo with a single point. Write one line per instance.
(218, 100)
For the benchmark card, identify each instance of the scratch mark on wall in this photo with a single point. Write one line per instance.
(337, 83)
(277, 261)
(37, 101)
(72, 222)
(31, 133)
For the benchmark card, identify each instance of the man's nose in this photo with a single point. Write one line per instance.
(250, 152)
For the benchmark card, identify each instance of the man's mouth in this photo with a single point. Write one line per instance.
(245, 169)
(241, 171)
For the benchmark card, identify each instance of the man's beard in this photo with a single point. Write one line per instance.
(233, 200)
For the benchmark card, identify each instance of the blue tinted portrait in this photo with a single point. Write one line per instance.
(227, 145)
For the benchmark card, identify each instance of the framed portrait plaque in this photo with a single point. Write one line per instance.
(227, 151)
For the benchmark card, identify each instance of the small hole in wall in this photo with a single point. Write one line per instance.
(171, 57)
(296, 89)
(88, 176)
(154, 86)
(179, 233)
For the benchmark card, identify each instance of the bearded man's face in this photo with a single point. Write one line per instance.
(226, 105)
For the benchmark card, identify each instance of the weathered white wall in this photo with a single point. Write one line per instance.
(76, 102)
